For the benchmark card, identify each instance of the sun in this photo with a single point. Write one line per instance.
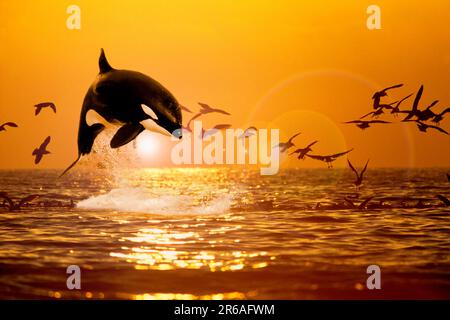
(147, 144)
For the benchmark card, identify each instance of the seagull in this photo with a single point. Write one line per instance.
(250, 131)
(217, 127)
(426, 114)
(42, 105)
(444, 200)
(423, 126)
(8, 124)
(41, 151)
(16, 206)
(329, 158)
(375, 113)
(359, 176)
(350, 202)
(363, 124)
(377, 95)
(302, 152)
(185, 109)
(422, 115)
(361, 206)
(395, 110)
(440, 116)
(205, 109)
(188, 126)
(380, 110)
(415, 108)
(283, 146)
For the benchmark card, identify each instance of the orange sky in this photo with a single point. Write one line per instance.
(293, 65)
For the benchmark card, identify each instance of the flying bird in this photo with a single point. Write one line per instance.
(380, 110)
(283, 146)
(221, 126)
(440, 116)
(415, 108)
(375, 114)
(361, 206)
(8, 124)
(359, 176)
(209, 132)
(185, 109)
(427, 113)
(423, 126)
(205, 109)
(444, 200)
(363, 124)
(42, 105)
(250, 131)
(12, 206)
(328, 158)
(379, 94)
(41, 151)
(395, 110)
(421, 115)
(187, 127)
(302, 152)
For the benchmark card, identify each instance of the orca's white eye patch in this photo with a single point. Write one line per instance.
(93, 117)
(149, 111)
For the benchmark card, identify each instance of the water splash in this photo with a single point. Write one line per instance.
(112, 162)
(142, 200)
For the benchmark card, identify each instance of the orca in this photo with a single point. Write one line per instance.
(130, 99)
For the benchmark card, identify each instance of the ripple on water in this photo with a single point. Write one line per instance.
(222, 233)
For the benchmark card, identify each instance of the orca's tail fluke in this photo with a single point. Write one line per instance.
(71, 166)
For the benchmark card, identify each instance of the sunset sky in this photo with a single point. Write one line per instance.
(294, 65)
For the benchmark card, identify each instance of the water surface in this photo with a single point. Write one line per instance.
(225, 234)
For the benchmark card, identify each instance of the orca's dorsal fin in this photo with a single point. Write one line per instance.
(103, 63)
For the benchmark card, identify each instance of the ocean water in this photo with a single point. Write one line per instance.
(225, 233)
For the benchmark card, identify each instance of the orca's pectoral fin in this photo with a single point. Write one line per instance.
(125, 134)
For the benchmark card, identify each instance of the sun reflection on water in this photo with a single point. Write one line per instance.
(161, 249)
(186, 296)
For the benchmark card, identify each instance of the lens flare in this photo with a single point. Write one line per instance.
(147, 144)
